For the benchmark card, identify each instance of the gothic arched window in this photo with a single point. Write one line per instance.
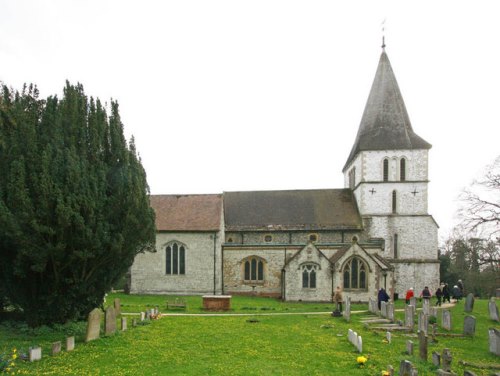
(175, 259)
(309, 276)
(395, 246)
(394, 201)
(402, 169)
(386, 169)
(355, 274)
(253, 269)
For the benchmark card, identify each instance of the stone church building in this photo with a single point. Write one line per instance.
(300, 244)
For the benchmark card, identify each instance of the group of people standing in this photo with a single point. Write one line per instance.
(442, 293)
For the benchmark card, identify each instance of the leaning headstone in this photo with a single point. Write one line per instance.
(405, 368)
(117, 306)
(110, 321)
(349, 335)
(409, 347)
(469, 325)
(422, 345)
(423, 322)
(436, 359)
(446, 319)
(469, 303)
(446, 359)
(360, 344)
(410, 317)
(93, 325)
(383, 309)
(124, 323)
(493, 309)
(35, 353)
(390, 311)
(56, 347)
(426, 306)
(494, 340)
(388, 337)
(347, 310)
(70, 343)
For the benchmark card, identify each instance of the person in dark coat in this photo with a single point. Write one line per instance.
(446, 293)
(382, 297)
(439, 296)
(426, 294)
(456, 293)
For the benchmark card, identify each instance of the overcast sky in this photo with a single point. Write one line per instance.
(263, 95)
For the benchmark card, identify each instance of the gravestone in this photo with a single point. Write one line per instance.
(70, 343)
(347, 310)
(35, 353)
(446, 320)
(423, 322)
(433, 312)
(56, 347)
(388, 337)
(383, 309)
(93, 325)
(143, 316)
(410, 317)
(405, 368)
(469, 303)
(134, 322)
(360, 344)
(413, 301)
(469, 325)
(494, 340)
(436, 359)
(409, 347)
(124, 323)
(390, 311)
(446, 359)
(370, 305)
(110, 321)
(147, 313)
(493, 309)
(349, 335)
(426, 306)
(117, 306)
(422, 345)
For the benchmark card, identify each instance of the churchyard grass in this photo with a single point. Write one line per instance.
(303, 344)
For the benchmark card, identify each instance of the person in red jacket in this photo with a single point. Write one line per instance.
(409, 294)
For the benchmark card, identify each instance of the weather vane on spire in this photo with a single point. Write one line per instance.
(383, 34)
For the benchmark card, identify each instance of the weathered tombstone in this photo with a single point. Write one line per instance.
(410, 317)
(143, 316)
(423, 322)
(413, 301)
(446, 319)
(124, 323)
(409, 347)
(93, 325)
(147, 313)
(347, 309)
(494, 341)
(70, 343)
(370, 305)
(117, 306)
(469, 325)
(349, 335)
(35, 353)
(426, 306)
(446, 359)
(388, 337)
(469, 303)
(405, 368)
(110, 321)
(134, 322)
(383, 309)
(390, 311)
(436, 359)
(493, 309)
(56, 347)
(422, 345)
(360, 344)
(433, 312)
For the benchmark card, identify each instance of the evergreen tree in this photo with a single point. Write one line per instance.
(74, 203)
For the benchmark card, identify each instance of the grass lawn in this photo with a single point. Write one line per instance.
(303, 344)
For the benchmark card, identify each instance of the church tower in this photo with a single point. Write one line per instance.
(387, 170)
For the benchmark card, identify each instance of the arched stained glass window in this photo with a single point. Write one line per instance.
(355, 274)
(309, 276)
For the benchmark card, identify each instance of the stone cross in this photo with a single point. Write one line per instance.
(70, 343)
(410, 317)
(35, 353)
(93, 325)
(110, 321)
(469, 303)
(422, 345)
(493, 309)
(409, 347)
(469, 325)
(56, 347)
(446, 319)
(446, 359)
(117, 306)
(494, 339)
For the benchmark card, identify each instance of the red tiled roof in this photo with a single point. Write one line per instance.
(187, 212)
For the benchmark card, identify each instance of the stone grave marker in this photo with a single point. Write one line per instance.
(383, 309)
(35, 353)
(446, 359)
(110, 321)
(446, 319)
(494, 341)
(117, 306)
(409, 347)
(347, 309)
(147, 313)
(413, 301)
(390, 311)
(469, 303)
(423, 322)
(390, 369)
(469, 325)
(493, 309)
(426, 306)
(124, 323)
(410, 316)
(433, 312)
(436, 358)
(360, 344)
(422, 345)
(134, 322)
(56, 347)
(405, 368)
(70, 343)
(143, 316)
(93, 325)
(388, 337)
(370, 305)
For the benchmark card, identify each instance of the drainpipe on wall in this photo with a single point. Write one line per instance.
(215, 261)
(283, 284)
(222, 270)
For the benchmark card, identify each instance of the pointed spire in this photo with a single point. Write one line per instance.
(385, 124)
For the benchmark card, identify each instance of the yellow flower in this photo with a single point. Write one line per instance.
(14, 356)
(385, 373)
(361, 359)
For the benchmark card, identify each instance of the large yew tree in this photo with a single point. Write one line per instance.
(74, 203)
